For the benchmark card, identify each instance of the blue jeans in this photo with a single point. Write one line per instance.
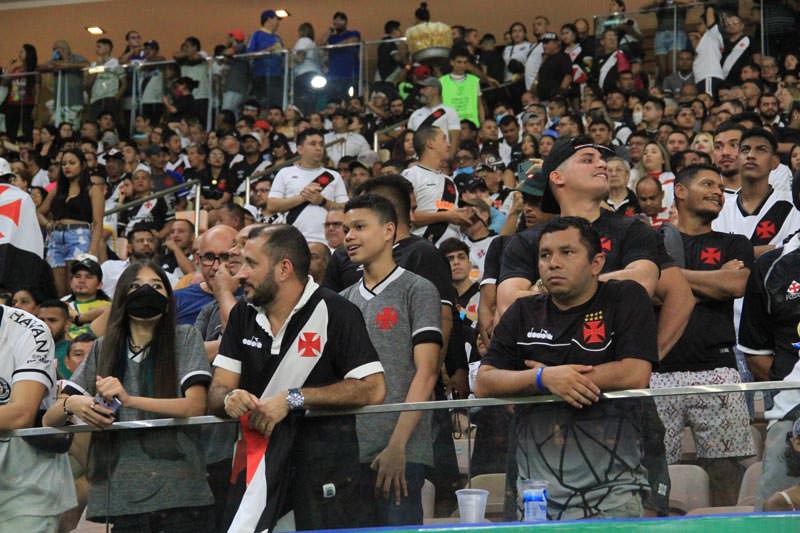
(66, 245)
(379, 511)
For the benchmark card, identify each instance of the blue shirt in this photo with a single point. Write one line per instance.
(343, 62)
(189, 302)
(271, 65)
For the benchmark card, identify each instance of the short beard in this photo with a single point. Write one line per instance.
(264, 294)
(706, 216)
(792, 458)
(729, 173)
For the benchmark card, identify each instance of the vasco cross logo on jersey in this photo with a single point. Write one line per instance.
(710, 256)
(386, 319)
(594, 328)
(793, 291)
(309, 344)
(605, 244)
(766, 229)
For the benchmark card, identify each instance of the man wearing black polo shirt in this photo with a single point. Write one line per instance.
(319, 349)
(716, 266)
(582, 338)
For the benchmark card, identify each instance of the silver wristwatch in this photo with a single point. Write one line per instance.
(295, 400)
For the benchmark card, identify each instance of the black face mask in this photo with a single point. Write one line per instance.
(146, 302)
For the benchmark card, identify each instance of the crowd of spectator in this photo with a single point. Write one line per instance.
(562, 213)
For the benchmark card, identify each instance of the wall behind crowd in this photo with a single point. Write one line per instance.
(169, 22)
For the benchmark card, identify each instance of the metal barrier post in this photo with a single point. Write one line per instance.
(286, 79)
(247, 190)
(210, 77)
(58, 119)
(361, 65)
(197, 192)
(674, 38)
(134, 95)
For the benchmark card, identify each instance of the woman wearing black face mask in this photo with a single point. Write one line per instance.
(154, 369)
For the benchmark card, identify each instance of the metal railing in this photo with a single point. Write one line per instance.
(387, 129)
(421, 406)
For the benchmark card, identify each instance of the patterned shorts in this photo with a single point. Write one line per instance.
(720, 422)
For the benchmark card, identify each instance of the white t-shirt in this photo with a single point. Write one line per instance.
(33, 483)
(354, 145)
(781, 178)
(519, 52)
(429, 187)
(40, 179)
(290, 181)
(477, 254)
(733, 220)
(106, 83)
(708, 61)
(311, 61)
(533, 64)
(447, 122)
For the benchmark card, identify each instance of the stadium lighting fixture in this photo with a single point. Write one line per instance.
(318, 82)
(95, 30)
(281, 13)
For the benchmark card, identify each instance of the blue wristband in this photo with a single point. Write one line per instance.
(539, 385)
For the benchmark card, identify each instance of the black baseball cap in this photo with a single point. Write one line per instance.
(475, 183)
(549, 36)
(562, 150)
(89, 265)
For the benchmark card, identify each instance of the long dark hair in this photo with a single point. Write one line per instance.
(113, 355)
(62, 187)
(31, 58)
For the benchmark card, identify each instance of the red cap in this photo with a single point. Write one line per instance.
(237, 34)
(262, 124)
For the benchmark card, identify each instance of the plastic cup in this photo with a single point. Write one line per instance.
(471, 505)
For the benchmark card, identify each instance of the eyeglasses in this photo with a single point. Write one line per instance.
(208, 259)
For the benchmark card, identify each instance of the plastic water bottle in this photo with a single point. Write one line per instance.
(534, 501)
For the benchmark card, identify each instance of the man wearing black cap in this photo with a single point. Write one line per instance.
(435, 113)
(268, 69)
(353, 144)
(253, 162)
(577, 184)
(555, 74)
(477, 188)
(86, 300)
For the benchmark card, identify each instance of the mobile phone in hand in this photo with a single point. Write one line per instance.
(113, 405)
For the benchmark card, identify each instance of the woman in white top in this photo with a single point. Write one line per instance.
(306, 66)
(519, 49)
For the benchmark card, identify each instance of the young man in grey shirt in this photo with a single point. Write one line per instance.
(403, 319)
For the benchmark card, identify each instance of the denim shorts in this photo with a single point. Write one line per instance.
(664, 42)
(67, 244)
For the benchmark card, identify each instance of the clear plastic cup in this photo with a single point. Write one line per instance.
(472, 505)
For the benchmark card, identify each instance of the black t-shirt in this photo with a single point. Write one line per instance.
(616, 323)
(771, 310)
(211, 188)
(551, 73)
(623, 239)
(710, 336)
(491, 265)
(630, 206)
(154, 213)
(386, 58)
(240, 171)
